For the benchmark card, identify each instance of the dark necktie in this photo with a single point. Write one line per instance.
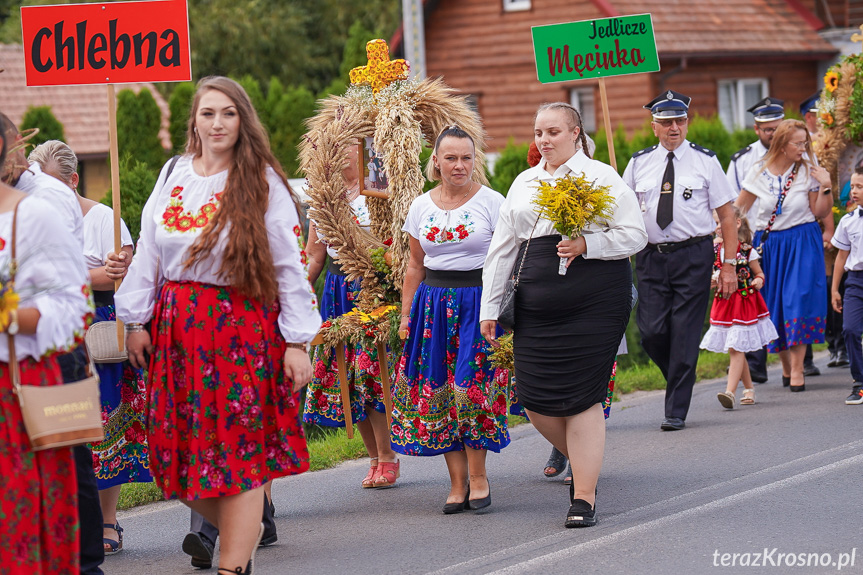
(665, 209)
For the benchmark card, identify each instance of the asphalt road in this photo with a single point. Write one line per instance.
(778, 484)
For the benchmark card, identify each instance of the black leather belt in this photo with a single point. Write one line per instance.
(669, 247)
(453, 279)
(335, 268)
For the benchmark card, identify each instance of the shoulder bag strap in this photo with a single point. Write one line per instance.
(782, 193)
(524, 255)
(13, 269)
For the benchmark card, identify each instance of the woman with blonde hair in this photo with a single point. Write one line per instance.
(795, 193)
(568, 327)
(221, 273)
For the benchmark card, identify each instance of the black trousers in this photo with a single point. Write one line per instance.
(74, 368)
(673, 291)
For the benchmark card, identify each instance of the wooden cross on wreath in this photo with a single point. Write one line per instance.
(858, 37)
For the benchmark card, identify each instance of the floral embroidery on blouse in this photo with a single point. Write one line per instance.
(464, 227)
(2, 244)
(177, 219)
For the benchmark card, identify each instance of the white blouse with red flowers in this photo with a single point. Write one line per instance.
(457, 240)
(51, 277)
(172, 220)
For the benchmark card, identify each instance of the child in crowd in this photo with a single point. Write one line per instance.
(849, 240)
(740, 323)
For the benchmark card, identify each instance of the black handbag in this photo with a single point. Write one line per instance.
(506, 314)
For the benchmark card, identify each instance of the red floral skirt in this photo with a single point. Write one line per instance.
(221, 415)
(38, 490)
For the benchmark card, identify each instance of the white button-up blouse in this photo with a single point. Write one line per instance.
(622, 236)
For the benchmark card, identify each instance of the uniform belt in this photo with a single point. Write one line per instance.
(669, 247)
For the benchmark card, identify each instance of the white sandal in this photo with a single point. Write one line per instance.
(726, 398)
(748, 397)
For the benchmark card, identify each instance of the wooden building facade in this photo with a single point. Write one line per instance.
(725, 54)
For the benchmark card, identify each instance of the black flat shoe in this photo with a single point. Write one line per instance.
(672, 424)
(200, 548)
(453, 508)
(556, 461)
(580, 514)
(786, 381)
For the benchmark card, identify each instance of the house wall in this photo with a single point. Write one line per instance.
(97, 178)
(481, 50)
(791, 80)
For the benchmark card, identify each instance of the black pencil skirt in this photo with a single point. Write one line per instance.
(567, 328)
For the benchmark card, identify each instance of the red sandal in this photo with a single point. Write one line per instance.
(388, 472)
(369, 481)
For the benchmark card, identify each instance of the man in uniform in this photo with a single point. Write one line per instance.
(809, 111)
(678, 184)
(768, 114)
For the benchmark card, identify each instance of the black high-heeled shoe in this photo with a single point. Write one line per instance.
(453, 508)
(475, 504)
(786, 381)
(556, 461)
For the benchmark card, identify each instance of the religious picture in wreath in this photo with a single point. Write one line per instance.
(374, 175)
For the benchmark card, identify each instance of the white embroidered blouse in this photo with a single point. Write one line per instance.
(178, 210)
(51, 278)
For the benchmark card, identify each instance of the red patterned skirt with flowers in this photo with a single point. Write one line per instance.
(38, 490)
(221, 415)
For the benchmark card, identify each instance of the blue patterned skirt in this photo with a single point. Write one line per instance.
(323, 397)
(123, 456)
(446, 395)
(795, 286)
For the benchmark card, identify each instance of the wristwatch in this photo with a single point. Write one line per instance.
(12, 329)
(303, 346)
(731, 261)
(827, 191)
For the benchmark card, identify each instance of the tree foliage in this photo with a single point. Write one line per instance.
(43, 118)
(138, 122)
(180, 106)
(137, 180)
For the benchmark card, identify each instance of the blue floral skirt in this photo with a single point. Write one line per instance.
(323, 397)
(446, 395)
(123, 456)
(795, 286)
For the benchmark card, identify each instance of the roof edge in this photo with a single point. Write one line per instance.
(814, 21)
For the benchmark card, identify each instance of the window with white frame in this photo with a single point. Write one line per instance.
(582, 99)
(515, 5)
(736, 96)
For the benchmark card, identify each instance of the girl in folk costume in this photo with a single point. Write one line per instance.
(221, 272)
(39, 501)
(740, 323)
(323, 397)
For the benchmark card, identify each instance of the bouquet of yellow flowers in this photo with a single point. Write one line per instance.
(572, 203)
(8, 302)
(365, 326)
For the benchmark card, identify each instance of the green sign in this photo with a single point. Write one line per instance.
(595, 48)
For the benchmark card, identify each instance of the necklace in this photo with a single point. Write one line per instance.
(352, 191)
(445, 227)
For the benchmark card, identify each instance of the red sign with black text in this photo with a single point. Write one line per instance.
(107, 43)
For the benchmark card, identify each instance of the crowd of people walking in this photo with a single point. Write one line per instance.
(219, 313)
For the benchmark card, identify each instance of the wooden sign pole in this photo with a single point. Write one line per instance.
(345, 389)
(606, 118)
(115, 192)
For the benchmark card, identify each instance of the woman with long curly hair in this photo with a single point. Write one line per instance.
(220, 272)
